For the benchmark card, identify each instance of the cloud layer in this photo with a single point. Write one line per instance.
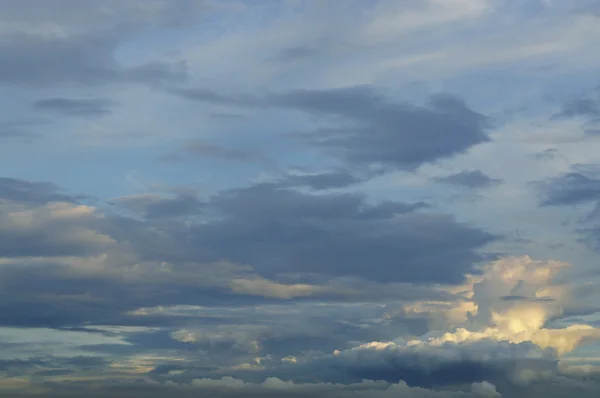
(297, 198)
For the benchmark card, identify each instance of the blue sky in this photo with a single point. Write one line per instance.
(299, 198)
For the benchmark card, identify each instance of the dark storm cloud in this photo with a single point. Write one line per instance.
(32, 192)
(472, 179)
(372, 129)
(75, 106)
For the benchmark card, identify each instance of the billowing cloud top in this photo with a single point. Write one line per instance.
(299, 198)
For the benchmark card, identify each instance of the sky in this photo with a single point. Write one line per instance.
(300, 198)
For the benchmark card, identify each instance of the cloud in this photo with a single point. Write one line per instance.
(502, 342)
(473, 179)
(204, 149)
(365, 128)
(581, 186)
(230, 387)
(392, 134)
(312, 254)
(324, 180)
(156, 206)
(45, 47)
(485, 389)
(575, 187)
(281, 230)
(82, 60)
(28, 192)
(263, 287)
(17, 130)
(586, 107)
(75, 106)
(54, 229)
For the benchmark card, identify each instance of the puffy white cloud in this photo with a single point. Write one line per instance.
(512, 300)
(504, 333)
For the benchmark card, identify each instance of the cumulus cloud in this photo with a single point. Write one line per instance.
(504, 341)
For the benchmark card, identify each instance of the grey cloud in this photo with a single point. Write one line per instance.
(206, 95)
(473, 179)
(18, 131)
(452, 364)
(73, 16)
(50, 294)
(325, 180)
(549, 154)
(391, 134)
(32, 192)
(372, 129)
(274, 388)
(165, 262)
(281, 230)
(586, 107)
(48, 45)
(50, 230)
(297, 53)
(83, 60)
(161, 206)
(75, 106)
(229, 388)
(204, 149)
(591, 237)
(572, 188)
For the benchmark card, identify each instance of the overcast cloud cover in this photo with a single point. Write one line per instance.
(300, 198)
